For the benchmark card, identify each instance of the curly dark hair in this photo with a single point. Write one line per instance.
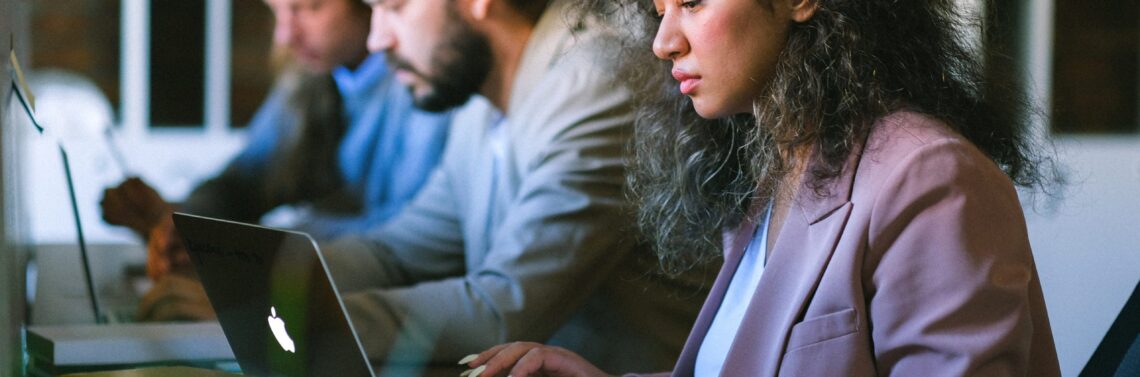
(853, 62)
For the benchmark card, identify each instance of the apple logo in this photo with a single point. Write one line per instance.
(277, 325)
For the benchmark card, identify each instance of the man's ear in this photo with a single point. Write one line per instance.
(479, 8)
(803, 10)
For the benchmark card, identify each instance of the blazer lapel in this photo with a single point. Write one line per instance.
(795, 265)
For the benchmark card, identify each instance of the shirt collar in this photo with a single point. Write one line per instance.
(351, 82)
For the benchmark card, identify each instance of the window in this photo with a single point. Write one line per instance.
(177, 75)
(156, 60)
(182, 77)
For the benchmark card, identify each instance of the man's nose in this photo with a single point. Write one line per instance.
(380, 38)
(285, 32)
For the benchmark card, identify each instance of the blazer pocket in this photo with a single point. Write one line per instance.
(823, 328)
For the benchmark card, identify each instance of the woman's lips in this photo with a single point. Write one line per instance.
(688, 81)
(689, 86)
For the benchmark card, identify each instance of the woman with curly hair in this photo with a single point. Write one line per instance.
(856, 172)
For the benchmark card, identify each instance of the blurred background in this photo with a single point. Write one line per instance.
(182, 79)
(171, 84)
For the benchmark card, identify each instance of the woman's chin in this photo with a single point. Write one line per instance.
(710, 112)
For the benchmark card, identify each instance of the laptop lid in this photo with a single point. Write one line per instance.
(274, 298)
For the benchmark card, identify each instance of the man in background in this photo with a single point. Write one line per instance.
(522, 232)
(337, 138)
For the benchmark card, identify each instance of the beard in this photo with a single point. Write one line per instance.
(459, 67)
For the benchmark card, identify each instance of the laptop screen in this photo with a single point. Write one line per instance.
(274, 299)
(49, 155)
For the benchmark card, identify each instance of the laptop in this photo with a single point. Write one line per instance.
(79, 324)
(274, 298)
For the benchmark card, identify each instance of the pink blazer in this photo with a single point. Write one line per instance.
(917, 263)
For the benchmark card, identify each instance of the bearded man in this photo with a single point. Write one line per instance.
(522, 233)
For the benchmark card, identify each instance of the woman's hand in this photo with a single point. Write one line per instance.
(521, 359)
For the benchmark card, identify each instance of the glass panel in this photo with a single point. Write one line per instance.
(177, 56)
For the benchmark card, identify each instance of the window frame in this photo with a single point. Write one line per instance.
(135, 68)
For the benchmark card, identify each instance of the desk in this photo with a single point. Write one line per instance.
(439, 371)
(60, 291)
(156, 372)
(62, 301)
(63, 336)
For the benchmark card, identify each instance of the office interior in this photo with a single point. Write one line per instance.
(175, 111)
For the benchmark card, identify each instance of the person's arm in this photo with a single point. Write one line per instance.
(950, 269)
(429, 228)
(560, 237)
(238, 192)
(134, 204)
(235, 194)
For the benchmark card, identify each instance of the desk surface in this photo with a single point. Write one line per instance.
(431, 371)
(156, 372)
(62, 300)
(60, 291)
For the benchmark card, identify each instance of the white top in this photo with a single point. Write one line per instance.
(714, 348)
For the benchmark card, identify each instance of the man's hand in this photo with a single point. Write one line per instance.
(166, 254)
(176, 298)
(134, 204)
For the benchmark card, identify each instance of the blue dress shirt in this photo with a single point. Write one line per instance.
(387, 152)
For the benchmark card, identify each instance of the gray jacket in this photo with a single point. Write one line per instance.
(537, 246)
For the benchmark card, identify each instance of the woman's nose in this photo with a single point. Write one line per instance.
(669, 42)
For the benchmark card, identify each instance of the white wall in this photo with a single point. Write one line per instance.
(1088, 249)
(172, 160)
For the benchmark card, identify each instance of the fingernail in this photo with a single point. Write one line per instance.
(466, 372)
(477, 371)
(468, 358)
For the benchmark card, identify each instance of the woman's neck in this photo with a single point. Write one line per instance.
(786, 192)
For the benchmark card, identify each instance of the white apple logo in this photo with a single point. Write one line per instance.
(277, 325)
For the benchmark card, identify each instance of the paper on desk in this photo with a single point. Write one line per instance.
(24, 93)
(23, 85)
